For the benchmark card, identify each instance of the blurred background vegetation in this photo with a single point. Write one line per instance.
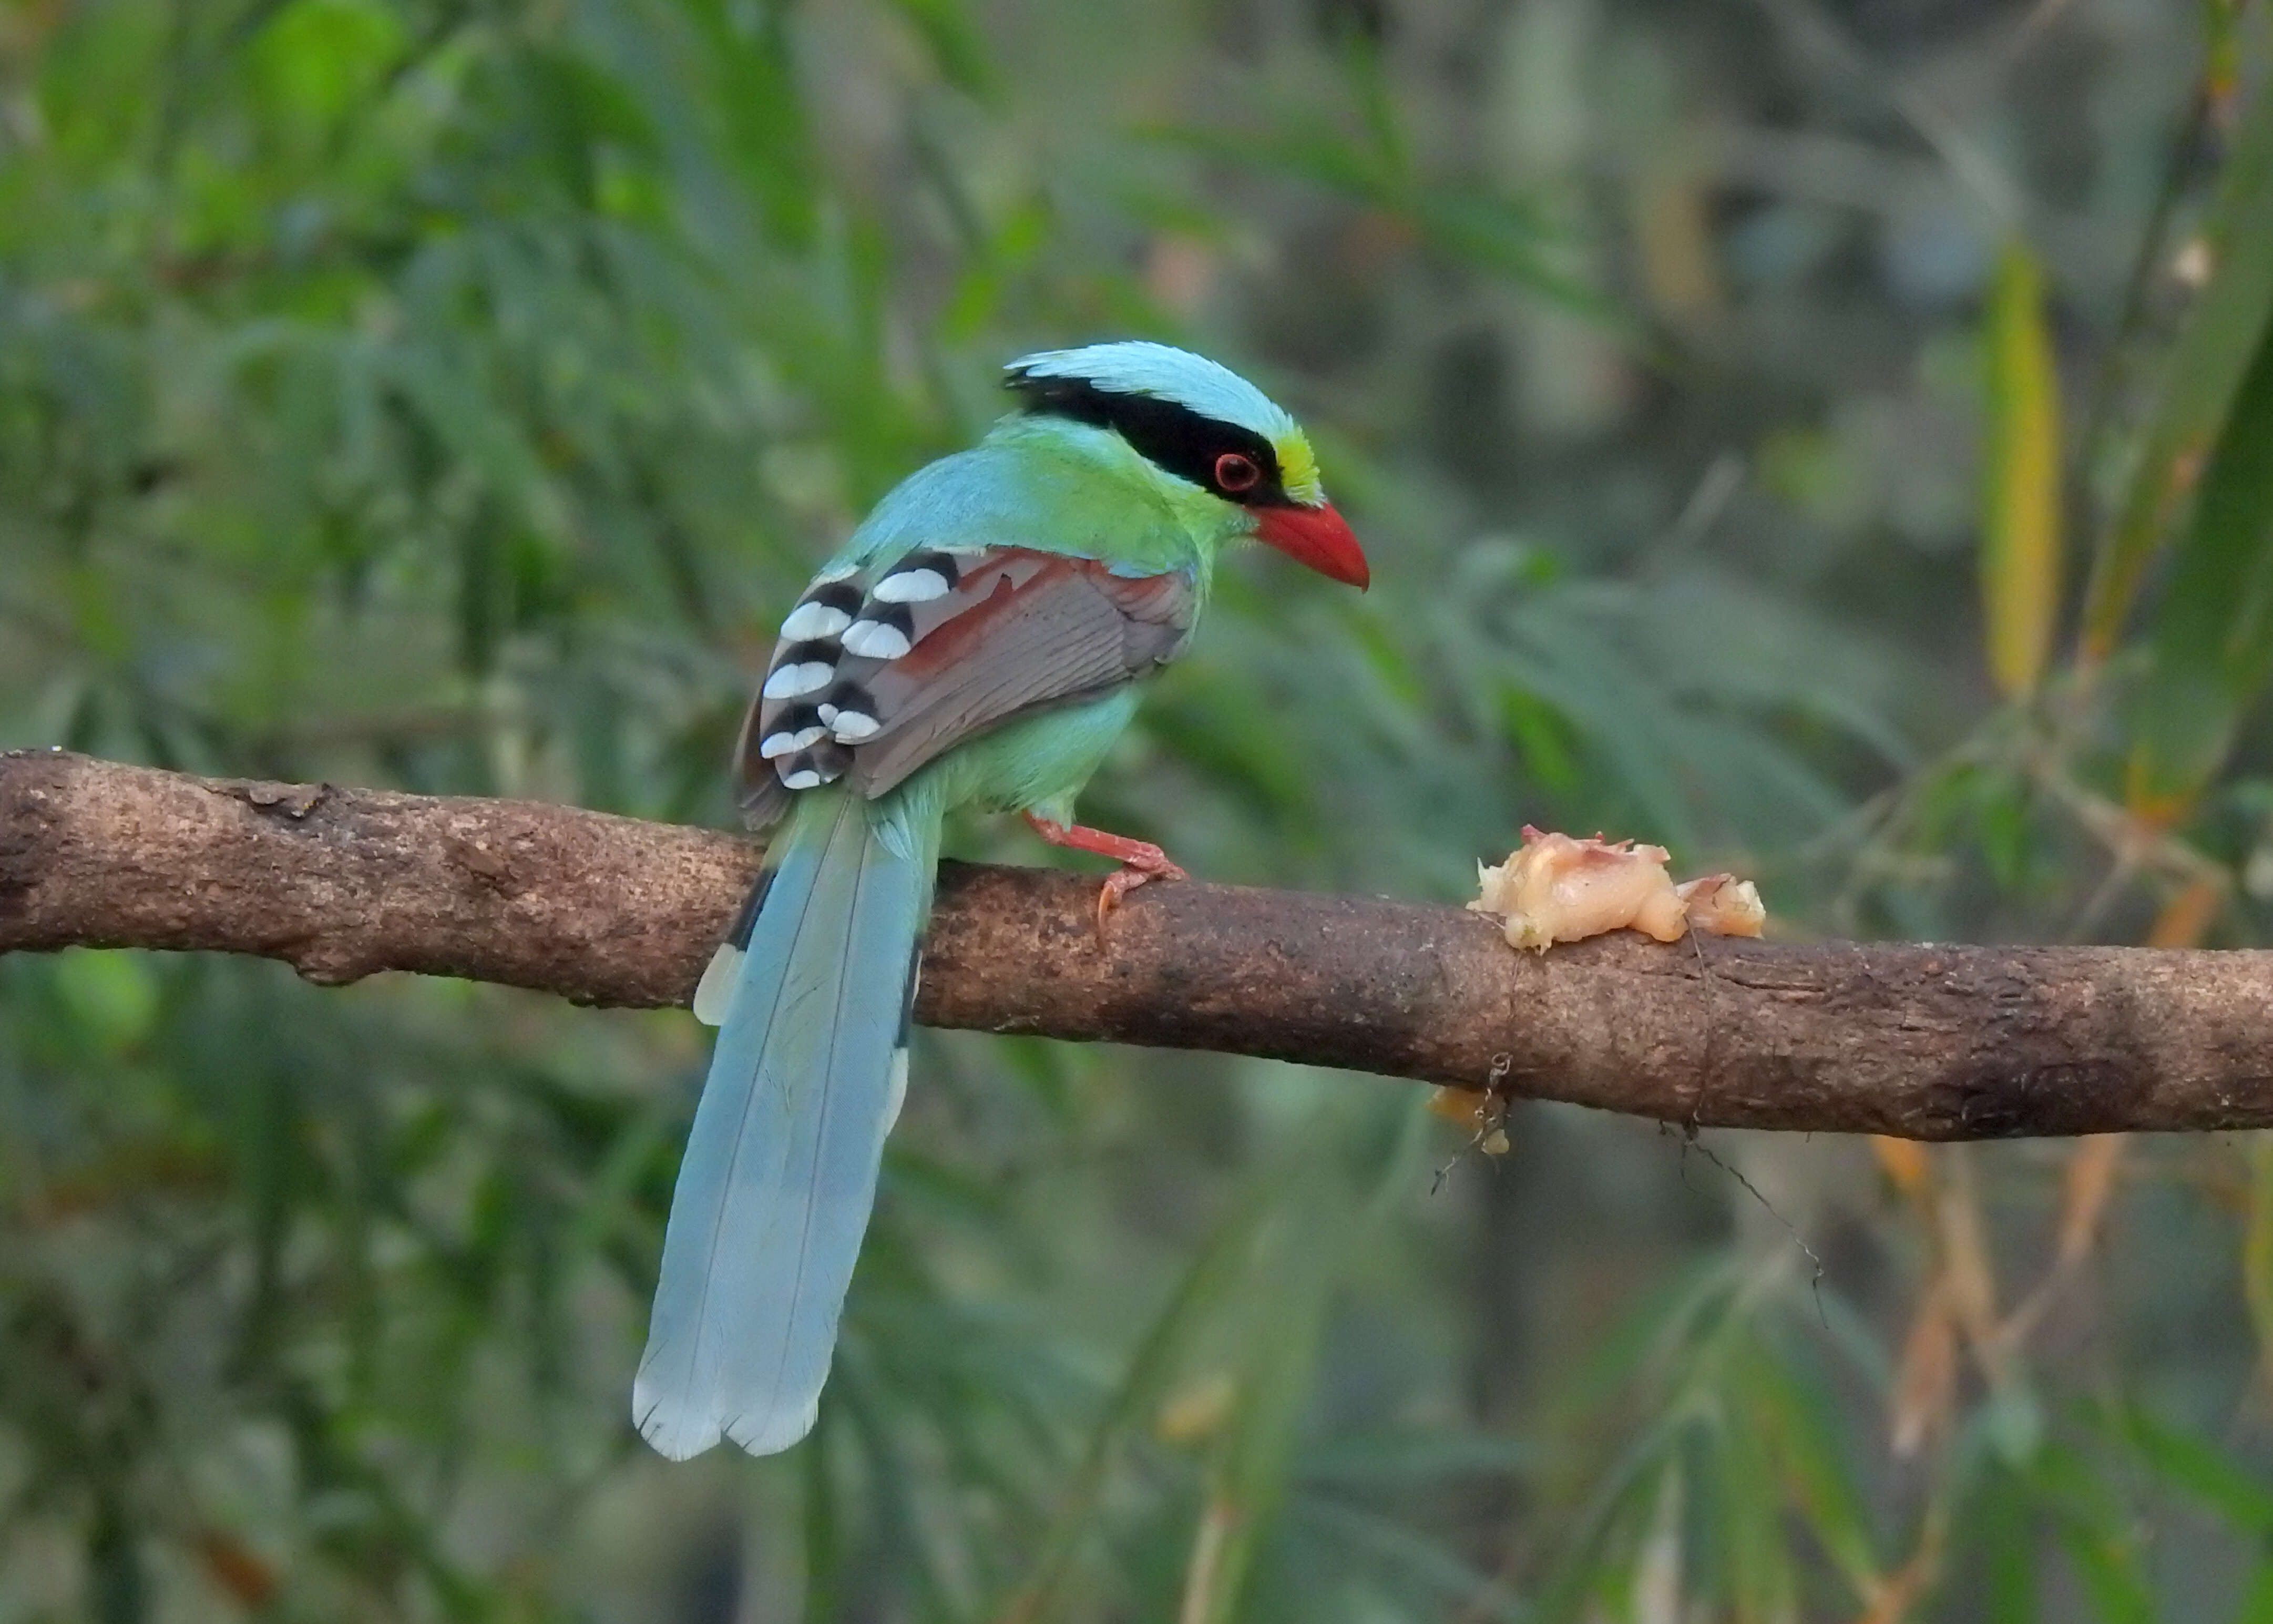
(1829, 437)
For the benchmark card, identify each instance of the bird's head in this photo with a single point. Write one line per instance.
(1206, 425)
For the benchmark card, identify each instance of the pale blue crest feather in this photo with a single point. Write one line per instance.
(1137, 366)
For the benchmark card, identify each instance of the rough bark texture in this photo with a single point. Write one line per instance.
(1927, 1042)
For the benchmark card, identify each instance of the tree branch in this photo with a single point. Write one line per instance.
(1926, 1042)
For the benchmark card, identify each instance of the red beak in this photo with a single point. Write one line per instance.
(1316, 536)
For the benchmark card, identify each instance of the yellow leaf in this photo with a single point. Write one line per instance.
(1925, 1382)
(1462, 1107)
(2020, 485)
(236, 1569)
(1903, 1162)
(2188, 916)
(1197, 1409)
(1894, 1597)
(2086, 1186)
(1969, 1279)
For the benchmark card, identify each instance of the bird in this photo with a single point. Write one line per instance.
(980, 640)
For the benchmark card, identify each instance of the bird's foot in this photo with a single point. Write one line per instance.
(1140, 860)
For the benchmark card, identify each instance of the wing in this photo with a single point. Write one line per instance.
(881, 670)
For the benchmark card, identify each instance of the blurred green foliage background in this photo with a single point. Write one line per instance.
(1828, 437)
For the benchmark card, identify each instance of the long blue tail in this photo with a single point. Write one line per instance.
(780, 1170)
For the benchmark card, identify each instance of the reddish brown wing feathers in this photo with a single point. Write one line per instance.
(877, 675)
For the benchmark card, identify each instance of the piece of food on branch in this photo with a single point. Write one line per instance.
(1722, 905)
(1557, 888)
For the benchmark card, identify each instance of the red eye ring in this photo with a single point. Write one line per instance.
(1236, 472)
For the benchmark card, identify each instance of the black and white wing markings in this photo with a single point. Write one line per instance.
(875, 676)
(825, 610)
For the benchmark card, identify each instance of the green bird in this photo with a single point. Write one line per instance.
(981, 640)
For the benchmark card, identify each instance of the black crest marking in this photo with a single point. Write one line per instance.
(1169, 433)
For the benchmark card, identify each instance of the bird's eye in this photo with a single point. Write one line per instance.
(1235, 473)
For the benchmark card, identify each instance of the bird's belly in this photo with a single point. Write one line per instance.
(1040, 761)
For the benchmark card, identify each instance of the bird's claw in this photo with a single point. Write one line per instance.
(1135, 869)
(1140, 859)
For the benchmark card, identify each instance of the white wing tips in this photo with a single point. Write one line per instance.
(776, 1430)
(898, 1096)
(669, 1430)
(678, 1432)
(714, 994)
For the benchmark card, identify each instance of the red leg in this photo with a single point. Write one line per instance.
(1140, 859)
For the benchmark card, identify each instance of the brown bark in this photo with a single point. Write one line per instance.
(1927, 1042)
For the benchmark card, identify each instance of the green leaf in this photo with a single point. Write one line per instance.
(2257, 1601)
(1217, 1268)
(2204, 370)
(113, 994)
(1821, 1480)
(955, 43)
(2008, 1536)
(767, 138)
(2210, 642)
(2020, 484)
(2109, 1572)
(2233, 1491)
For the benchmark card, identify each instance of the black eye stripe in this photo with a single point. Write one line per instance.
(1168, 433)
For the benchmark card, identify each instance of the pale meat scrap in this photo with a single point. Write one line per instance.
(1555, 888)
(1722, 905)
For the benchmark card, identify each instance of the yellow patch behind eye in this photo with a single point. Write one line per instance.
(1298, 469)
